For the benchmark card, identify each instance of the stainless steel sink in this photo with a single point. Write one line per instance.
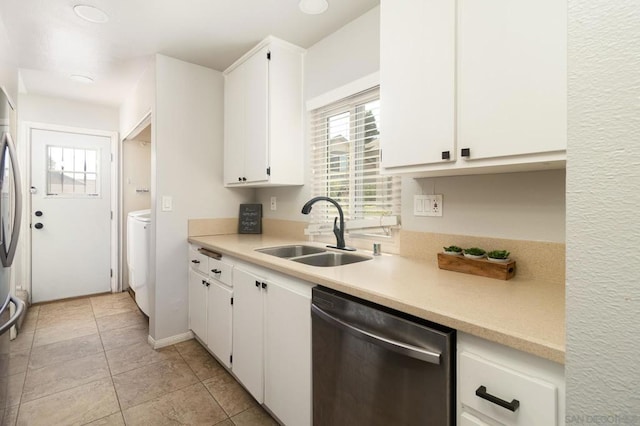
(291, 251)
(330, 258)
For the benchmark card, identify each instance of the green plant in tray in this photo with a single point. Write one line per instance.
(475, 251)
(454, 249)
(498, 254)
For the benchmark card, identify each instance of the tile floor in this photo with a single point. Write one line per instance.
(87, 361)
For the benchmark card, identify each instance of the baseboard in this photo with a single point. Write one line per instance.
(168, 341)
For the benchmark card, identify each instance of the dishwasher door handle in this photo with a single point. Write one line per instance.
(390, 344)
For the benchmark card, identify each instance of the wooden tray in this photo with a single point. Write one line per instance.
(481, 267)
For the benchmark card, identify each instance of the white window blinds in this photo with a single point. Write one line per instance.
(345, 156)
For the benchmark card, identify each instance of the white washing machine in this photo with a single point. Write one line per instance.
(138, 232)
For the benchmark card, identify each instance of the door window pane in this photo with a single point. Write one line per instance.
(72, 171)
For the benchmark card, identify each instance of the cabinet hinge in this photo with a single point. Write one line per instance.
(111, 273)
(111, 214)
(112, 158)
(230, 359)
(268, 171)
(232, 300)
(268, 56)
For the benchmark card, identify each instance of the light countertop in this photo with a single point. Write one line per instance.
(527, 315)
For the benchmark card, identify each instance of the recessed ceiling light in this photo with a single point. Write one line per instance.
(81, 78)
(90, 13)
(313, 7)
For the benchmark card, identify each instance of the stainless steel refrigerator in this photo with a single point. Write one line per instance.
(10, 214)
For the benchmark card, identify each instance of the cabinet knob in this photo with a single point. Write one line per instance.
(264, 285)
(244, 179)
(465, 152)
(258, 284)
(207, 283)
(446, 155)
(239, 179)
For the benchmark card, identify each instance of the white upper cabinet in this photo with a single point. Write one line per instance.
(512, 78)
(417, 81)
(473, 86)
(263, 132)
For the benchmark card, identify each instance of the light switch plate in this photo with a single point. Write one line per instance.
(167, 203)
(427, 205)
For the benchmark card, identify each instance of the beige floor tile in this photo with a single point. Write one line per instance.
(124, 336)
(255, 416)
(65, 350)
(189, 406)
(10, 416)
(65, 375)
(188, 346)
(18, 361)
(227, 422)
(143, 384)
(121, 320)
(113, 420)
(22, 342)
(63, 306)
(64, 317)
(46, 336)
(30, 320)
(202, 363)
(113, 304)
(76, 406)
(230, 395)
(11, 390)
(130, 357)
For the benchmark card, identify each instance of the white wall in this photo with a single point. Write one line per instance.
(526, 206)
(141, 101)
(603, 178)
(8, 66)
(187, 166)
(65, 112)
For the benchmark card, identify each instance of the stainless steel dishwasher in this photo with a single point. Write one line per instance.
(375, 366)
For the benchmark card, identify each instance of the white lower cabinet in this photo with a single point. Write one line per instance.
(248, 332)
(210, 303)
(272, 342)
(198, 304)
(219, 320)
(501, 386)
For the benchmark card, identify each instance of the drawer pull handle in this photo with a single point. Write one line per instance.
(195, 261)
(216, 271)
(511, 406)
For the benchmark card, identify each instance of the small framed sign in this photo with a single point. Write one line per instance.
(250, 220)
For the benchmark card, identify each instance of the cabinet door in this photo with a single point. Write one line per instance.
(288, 354)
(512, 77)
(417, 81)
(248, 331)
(198, 305)
(256, 120)
(234, 127)
(219, 316)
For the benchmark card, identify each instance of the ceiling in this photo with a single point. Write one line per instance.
(50, 43)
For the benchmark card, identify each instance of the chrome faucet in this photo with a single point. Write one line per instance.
(337, 231)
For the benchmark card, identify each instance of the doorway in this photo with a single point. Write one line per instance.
(73, 197)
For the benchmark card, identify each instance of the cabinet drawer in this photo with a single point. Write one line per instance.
(536, 399)
(220, 270)
(198, 261)
(467, 419)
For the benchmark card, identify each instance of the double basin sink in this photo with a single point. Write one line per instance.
(314, 256)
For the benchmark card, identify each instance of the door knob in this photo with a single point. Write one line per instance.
(38, 213)
(39, 225)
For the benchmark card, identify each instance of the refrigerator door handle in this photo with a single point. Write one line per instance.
(20, 309)
(7, 253)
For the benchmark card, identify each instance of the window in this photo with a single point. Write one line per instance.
(345, 156)
(72, 171)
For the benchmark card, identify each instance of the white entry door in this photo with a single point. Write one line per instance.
(70, 214)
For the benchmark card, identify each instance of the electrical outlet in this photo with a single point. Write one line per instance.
(273, 203)
(427, 205)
